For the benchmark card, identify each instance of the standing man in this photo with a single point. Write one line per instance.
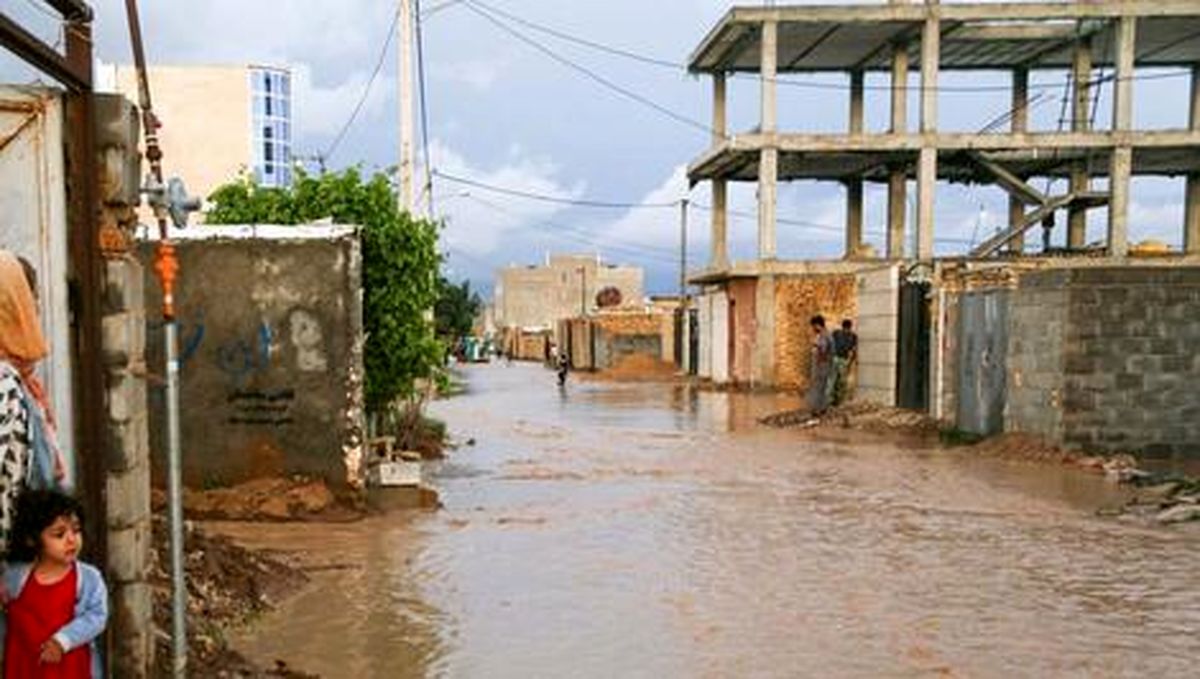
(845, 353)
(822, 367)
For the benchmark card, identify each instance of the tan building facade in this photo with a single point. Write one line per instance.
(218, 122)
(566, 286)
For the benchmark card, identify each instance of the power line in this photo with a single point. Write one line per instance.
(436, 9)
(627, 249)
(679, 66)
(428, 190)
(548, 198)
(542, 28)
(589, 73)
(387, 43)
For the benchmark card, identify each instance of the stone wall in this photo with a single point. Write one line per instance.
(797, 300)
(1105, 359)
(270, 349)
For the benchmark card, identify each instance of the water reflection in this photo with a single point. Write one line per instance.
(654, 530)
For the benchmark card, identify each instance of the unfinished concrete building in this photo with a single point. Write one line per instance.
(754, 314)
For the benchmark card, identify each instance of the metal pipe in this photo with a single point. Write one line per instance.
(175, 507)
(72, 10)
(166, 266)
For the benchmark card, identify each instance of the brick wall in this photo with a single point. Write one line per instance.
(1105, 359)
(798, 299)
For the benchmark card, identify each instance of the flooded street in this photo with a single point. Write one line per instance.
(649, 530)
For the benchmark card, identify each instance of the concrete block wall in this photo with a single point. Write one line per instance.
(798, 299)
(1036, 345)
(270, 347)
(1105, 359)
(128, 470)
(878, 331)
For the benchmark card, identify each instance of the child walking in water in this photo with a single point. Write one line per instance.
(55, 605)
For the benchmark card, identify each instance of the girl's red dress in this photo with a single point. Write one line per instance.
(34, 617)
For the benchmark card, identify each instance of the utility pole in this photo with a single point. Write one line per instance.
(405, 97)
(682, 332)
(683, 227)
(582, 291)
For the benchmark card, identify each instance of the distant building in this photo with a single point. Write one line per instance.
(566, 286)
(217, 121)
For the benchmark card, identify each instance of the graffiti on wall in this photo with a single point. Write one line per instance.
(261, 407)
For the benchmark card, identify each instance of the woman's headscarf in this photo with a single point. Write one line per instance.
(21, 341)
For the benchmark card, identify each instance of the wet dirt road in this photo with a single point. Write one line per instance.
(646, 530)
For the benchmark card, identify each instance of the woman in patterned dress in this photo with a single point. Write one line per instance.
(29, 453)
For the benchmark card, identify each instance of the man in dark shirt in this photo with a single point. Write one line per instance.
(845, 353)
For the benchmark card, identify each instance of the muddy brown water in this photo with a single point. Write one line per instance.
(650, 530)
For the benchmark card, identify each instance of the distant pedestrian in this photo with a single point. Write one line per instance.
(845, 355)
(821, 366)
(564, 366)
(29, 452)
(56, 606)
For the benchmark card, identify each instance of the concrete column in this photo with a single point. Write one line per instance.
(897, 179)
(719, 108)
(1122, 158)
(927, 167)
(1081, 99)
(128, 470)
(768, 167)
(719, 255)
(1191, 216)
(720, 221)
(854, 185)
(1020, 123)
(854, 217)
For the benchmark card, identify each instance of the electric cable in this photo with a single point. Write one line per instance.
(548, 198)
(678, 66)
(592, 75)
(428, 161)
(387, 43)
(628, 249)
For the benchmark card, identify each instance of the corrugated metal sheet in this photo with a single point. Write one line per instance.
(983, 342)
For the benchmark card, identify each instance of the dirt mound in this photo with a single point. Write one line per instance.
(227, 586)
(638, 367)
(268, 499)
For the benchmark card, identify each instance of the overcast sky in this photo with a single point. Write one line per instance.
(502, 112)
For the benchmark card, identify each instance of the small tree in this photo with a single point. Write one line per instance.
(456, 309)
(399, 268)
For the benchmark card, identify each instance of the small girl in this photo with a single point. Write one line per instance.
(56, 606)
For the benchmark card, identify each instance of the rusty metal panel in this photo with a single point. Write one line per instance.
(34, 220)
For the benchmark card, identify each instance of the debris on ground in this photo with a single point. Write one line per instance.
(858, 415)
(228, 585)
(1160, 498)
(1164, 499)
(268, 499)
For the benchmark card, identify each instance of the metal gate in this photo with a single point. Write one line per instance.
(982, 379)
(33, 224)
(912, 350)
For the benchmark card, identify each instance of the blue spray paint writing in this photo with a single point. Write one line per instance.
(241, 358)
